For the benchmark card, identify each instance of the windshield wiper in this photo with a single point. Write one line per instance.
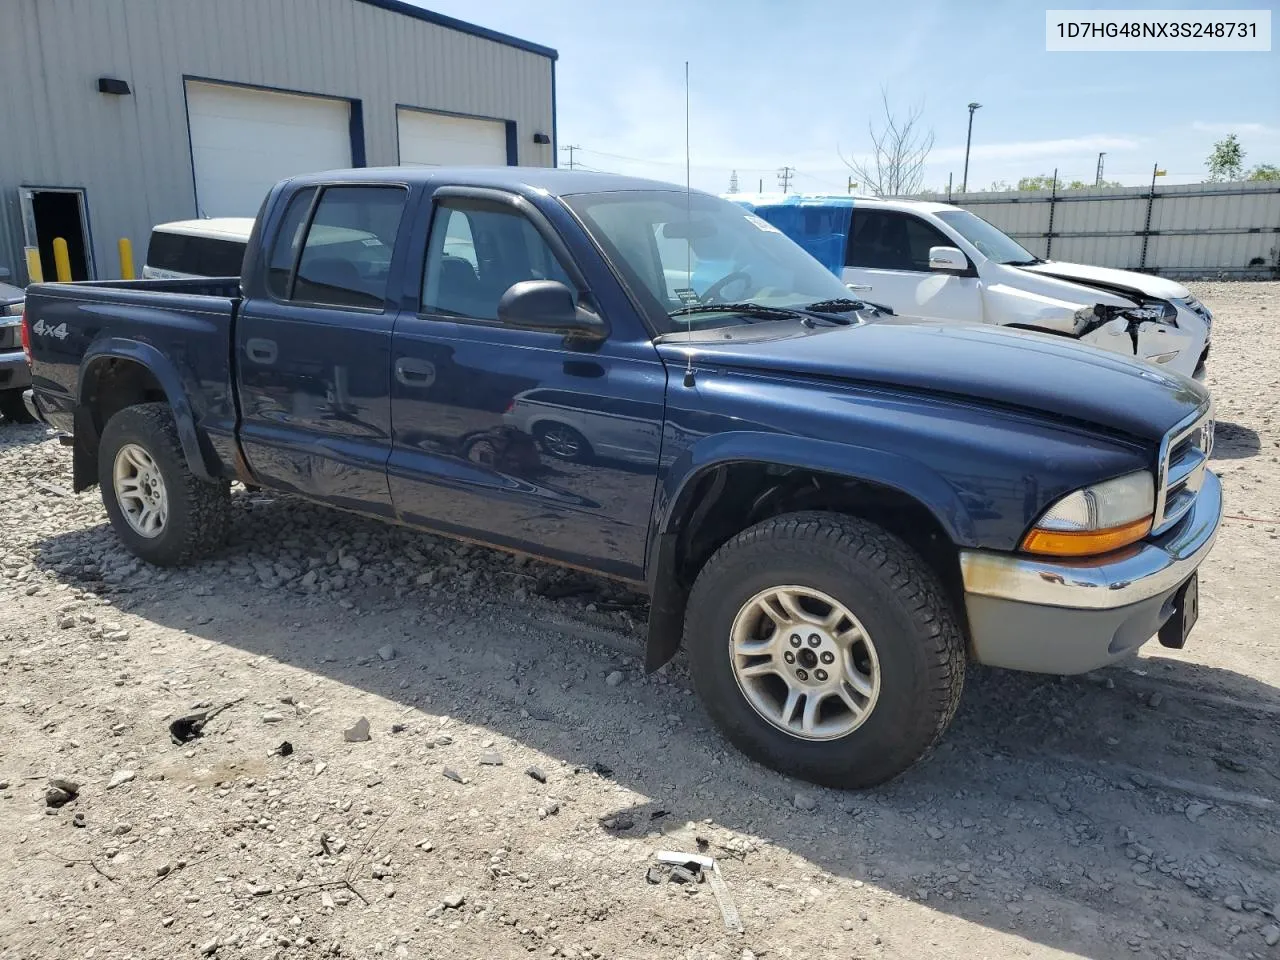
(747, 309)
(838, 305)
(1023, 263)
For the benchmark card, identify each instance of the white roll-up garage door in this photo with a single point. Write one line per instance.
(244, 141)
(439, 140)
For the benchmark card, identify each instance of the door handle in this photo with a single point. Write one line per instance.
(260, 350)
(412, 372)
(858, 287)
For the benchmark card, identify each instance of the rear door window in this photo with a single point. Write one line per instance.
(346, 257)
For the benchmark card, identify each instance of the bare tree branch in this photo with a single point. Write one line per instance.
(899, 151)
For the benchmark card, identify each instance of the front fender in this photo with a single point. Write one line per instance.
(177, 391)
(887, 469)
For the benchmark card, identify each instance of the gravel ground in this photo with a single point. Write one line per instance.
(1131, 812)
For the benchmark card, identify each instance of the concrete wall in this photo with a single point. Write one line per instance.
(131, 153)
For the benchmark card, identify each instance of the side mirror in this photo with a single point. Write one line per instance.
(948, 260)
(546, 305)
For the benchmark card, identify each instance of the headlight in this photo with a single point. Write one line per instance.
(1096, 519)
(13, 310)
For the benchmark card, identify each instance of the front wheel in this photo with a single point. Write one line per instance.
(823, 647)
(160, 510)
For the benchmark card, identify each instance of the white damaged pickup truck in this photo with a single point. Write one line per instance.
(938, 262)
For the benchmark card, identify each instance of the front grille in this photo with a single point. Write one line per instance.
(1184, 453)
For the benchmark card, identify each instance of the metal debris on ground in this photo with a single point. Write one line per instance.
(188, 728)
(694, 867)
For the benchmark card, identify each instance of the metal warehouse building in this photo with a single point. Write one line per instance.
(121, 114)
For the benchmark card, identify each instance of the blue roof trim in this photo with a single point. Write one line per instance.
(440, 20)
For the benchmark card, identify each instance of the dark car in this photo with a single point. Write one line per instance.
(15, 374)
(832, 515)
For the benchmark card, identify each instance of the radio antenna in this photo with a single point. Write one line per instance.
(688, 216)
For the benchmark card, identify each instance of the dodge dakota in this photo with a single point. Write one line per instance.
(832, 515)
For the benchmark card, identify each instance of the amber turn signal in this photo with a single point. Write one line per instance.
(1085, 543)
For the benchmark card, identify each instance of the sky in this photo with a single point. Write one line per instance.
(796, 83)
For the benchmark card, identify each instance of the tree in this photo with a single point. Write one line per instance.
(1226, 162)
(1044, 181)
(1265, 171)
(899, 151)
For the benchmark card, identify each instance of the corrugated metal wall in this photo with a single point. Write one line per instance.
(131, 154)
(1197, 229)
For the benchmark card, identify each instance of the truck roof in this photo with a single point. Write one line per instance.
(552, 180)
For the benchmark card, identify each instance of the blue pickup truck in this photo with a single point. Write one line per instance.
(832, 515)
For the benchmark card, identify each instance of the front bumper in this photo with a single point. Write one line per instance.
(1069, 617)
(14, 372)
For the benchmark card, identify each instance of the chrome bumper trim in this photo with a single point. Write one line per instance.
(1144, 571)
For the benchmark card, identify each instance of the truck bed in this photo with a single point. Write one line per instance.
(180, 330)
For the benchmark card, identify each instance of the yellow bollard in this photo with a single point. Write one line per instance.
(35, 272)
(125, 246)
(61, 260)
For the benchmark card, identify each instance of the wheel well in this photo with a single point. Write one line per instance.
(110, 385)
(734, 496)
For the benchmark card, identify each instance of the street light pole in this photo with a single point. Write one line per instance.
(964, 184)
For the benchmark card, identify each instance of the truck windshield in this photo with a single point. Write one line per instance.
(682, 251)
(989, 240)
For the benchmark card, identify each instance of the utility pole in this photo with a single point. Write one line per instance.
(571, 147)
(949, 176)
(733, 182)
(1097, 182)
(964, 183)
(850, 185)
(761, 186)
(784, 177)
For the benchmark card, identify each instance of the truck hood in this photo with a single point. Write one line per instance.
(1115, 281)
(1050, 376)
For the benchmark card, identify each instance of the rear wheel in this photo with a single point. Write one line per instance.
(823, 647)
(160, 510)
(12, 407)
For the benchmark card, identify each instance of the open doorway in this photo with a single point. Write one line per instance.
(52, 212)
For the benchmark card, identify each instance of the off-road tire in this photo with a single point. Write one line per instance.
(199, 510)
(13, 409)
(895, 595)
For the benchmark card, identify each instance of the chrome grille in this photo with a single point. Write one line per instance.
(1184, 454)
